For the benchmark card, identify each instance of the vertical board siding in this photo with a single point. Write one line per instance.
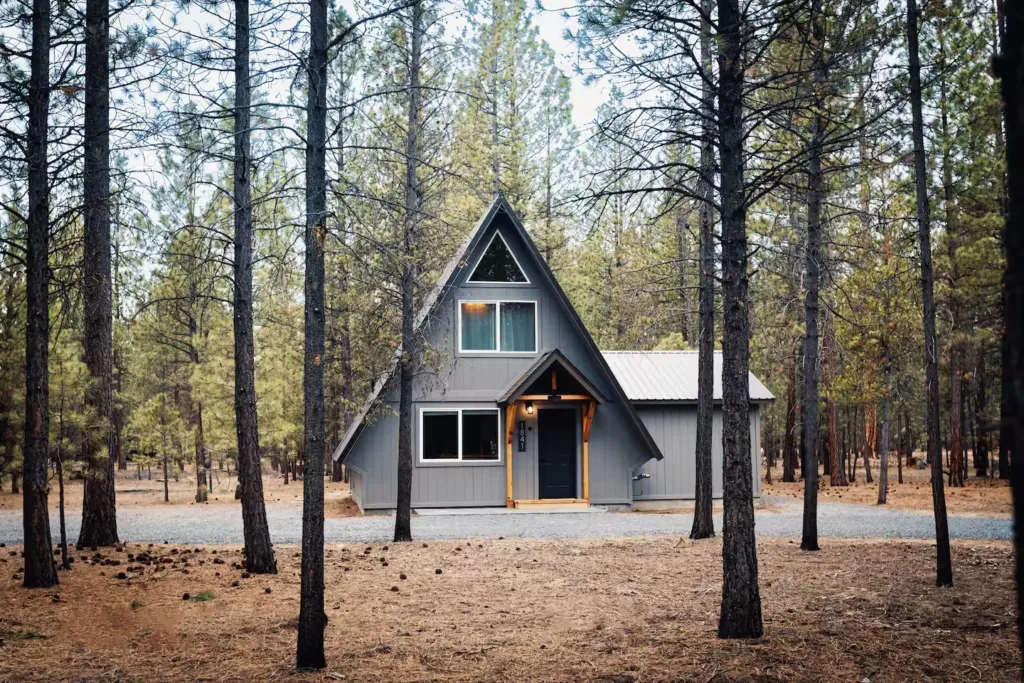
(674, 428)
(355, 483)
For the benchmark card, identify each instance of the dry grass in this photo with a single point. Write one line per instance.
(513, 610)
(988, 497)
(132, 492)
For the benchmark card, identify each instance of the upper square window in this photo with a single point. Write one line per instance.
(498, 264)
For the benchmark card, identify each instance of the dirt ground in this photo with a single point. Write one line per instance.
(132, 491)
(988, 497)
(618, 611)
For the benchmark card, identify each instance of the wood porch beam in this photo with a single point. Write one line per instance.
(510, 427)
(588, 421)
(561, 398)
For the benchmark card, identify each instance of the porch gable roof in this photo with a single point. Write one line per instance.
(519, 386)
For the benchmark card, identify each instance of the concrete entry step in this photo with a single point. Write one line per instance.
(552, 504)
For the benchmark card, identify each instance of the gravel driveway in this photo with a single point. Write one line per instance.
(222, 524)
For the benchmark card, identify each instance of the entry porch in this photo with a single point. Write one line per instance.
(549, 412)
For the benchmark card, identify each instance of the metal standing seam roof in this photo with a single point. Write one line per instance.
(669, 376)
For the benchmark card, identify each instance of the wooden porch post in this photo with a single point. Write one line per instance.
(588, 420)
(510, 427)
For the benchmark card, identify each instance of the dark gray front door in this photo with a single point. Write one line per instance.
(556, 452)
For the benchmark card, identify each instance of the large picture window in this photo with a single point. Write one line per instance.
(498, 326)
(457, 435)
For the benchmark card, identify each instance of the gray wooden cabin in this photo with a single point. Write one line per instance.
(525, 410)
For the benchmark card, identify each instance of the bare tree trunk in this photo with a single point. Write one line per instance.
(403, 530)
(201, 485)
(65, 563)
(883, 473)
(855, 450)
(981, 463)
(259, 552)
(312, 619)
(1010, 67)
(812, 255)
(682, 274)
(944, 563)
(837, 471)
(703, 522)
(899, 448)
(163, 440)
(789, 439)
(741, 598)
(956, 449)
(99, 513)
(870, 427)
(40, 570)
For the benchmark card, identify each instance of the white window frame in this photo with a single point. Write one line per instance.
(444, 409)
(470, 280)
(497, 326)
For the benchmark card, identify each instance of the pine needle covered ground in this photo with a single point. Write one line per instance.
(513, 610)
(982, 497)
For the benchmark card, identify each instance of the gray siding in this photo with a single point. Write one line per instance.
(615, 448)
(355, 482)
(674, 428)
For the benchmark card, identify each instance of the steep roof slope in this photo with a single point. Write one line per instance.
(670, 376)
(449, 277)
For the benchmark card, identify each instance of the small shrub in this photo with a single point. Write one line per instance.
(27, 633)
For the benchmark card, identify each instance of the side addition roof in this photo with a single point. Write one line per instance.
(448, 278)
(670, 376)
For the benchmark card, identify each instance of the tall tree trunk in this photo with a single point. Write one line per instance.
(944, 562)
(899, 448)
(883, 472)
(312, 619)
(789, 439)
(682, 272)
(981, 463)
(836, 469)
(1010, 67)
(40, 570)
(99, 512)
(259, 552)
(812, 255)
(741, 598)
(202, 489)
(956, 449)
(403, 529)
(703, 522)
(1006, 402)
(870, 429)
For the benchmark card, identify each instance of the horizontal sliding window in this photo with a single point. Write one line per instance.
(498, 326)
(470, 435)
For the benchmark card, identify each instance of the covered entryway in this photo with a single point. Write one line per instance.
(560, 404)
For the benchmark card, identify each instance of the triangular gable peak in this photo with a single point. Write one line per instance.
(463, 261)
(498, 264)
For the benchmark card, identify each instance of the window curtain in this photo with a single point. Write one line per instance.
(518, 327)
(478, 326)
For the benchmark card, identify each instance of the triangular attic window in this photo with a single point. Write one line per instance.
(498, 264)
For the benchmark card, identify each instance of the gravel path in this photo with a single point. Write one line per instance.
(222, 524)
